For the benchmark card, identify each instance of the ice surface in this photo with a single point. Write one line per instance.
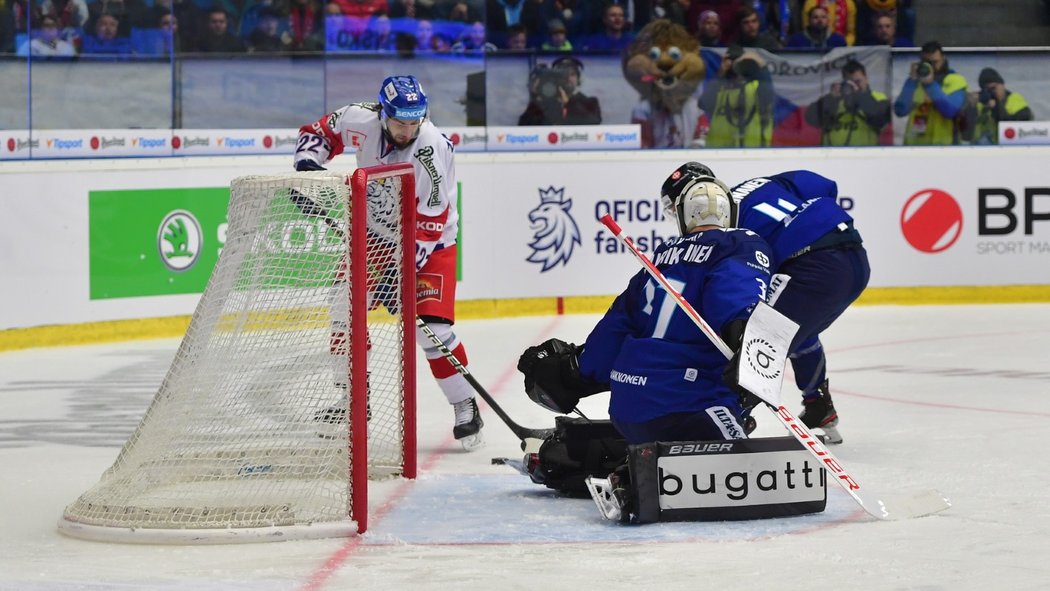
(953, 398)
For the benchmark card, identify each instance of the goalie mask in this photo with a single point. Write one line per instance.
(693, 197)
(401, 99)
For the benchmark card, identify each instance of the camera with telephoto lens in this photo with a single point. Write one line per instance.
(846, 88)
(924, 69)
(746, 67)
(985, 96)
(545, 81)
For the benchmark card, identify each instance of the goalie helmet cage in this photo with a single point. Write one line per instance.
(245, 439)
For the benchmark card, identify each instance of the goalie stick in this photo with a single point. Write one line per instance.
(881, 506)
(520, 432)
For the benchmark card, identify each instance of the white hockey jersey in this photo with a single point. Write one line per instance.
(357, 127)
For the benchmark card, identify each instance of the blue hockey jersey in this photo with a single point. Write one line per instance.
(789, 210)
(655, 359)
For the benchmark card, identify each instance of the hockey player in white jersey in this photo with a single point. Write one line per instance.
(392, 130)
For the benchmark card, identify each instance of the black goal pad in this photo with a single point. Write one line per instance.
(578, 448)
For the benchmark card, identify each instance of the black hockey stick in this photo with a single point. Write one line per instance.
(522, 433)
(311, 208)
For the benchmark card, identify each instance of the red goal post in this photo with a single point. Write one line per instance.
(295, 382)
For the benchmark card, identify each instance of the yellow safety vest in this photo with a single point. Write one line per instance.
(926, 125)
(851, 127)
(738, 121)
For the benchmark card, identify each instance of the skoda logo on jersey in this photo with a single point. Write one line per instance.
(554, 231)
(179, 240)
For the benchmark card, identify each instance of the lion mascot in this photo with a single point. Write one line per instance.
(664, 65)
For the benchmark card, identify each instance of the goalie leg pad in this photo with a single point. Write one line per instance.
(716, 481)
(579, 448)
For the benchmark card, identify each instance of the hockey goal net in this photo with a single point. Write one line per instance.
(295, 381)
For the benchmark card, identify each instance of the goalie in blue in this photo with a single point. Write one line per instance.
(664, 374)
(820, 268)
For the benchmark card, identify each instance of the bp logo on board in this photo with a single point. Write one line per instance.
(179, 240)
(931, 221)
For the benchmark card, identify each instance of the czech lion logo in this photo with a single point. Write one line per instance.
(554, 232)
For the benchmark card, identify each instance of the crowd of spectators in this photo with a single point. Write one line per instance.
(152, 27)
(850, 114)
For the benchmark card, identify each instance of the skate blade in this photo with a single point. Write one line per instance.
(472, 442)
(831, 435)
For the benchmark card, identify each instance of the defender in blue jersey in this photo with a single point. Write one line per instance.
(820, 268)
(664, 374)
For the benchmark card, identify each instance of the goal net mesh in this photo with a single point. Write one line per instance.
(252, 427)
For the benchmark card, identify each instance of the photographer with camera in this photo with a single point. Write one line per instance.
(852, 114)
(992, 104)
(554, 96)
(739, 102)
(932, 97)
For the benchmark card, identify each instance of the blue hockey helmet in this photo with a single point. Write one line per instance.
(402, 97)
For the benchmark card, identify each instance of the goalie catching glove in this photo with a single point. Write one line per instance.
(552, 376)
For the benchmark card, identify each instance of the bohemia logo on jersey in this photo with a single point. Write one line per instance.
(428, 287)
(554, 231)
(931, 220)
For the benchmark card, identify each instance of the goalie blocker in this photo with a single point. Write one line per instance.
(713, 481)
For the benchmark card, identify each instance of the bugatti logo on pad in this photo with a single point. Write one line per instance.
(931, 220)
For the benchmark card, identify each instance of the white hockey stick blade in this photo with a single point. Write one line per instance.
(889, 506)
(900, 506)
(518, 465)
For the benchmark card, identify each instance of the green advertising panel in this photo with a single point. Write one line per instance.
(147, 242)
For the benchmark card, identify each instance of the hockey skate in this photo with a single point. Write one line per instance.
(820, 413)
(611, 495)
(468, 424)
